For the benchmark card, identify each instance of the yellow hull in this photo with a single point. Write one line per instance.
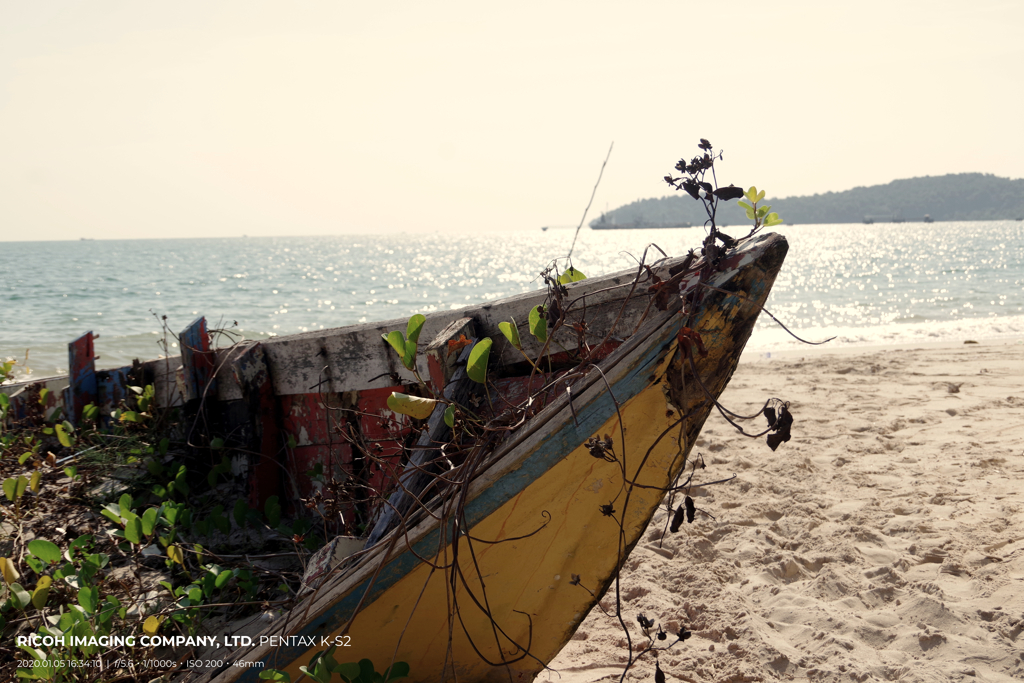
(535, 605)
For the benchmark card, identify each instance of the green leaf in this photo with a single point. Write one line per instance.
(772, 219)
(149, 518)
(154, 467)
(511, 333)
(42, 592)
(223, 578)
(172, 512)
(43, 393)
(19, 596)
(217, 444)
(275, 675)
(449, 416)
(415, 326)
(10, 485)
(570, 275)
(366, 669)
(744, 205)
(174, 554)
(538, 324)
(350, 670)
(80, 542)
(328, 659)
(476, 367)
(409, 358)
(71, 472)
(62, 436)
(35, 480)
(34, 563)
(180, 480)
(397, 342)
(164, 444)
(111, 512)
(208, 581)
(20, 486)
(67, 570)
(133, 528)
(398, 670)
(416, 407)
(124, 505)
(762, 211)
(44, 550)
(751, 215)
(89, 598)
(98, 560)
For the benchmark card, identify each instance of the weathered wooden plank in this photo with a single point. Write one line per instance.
(384, 434)
(442, 357)
(259, 431)
(197, 361)
(81, 389)
(358, 357)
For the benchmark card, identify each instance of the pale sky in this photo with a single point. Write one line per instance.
(129, 119)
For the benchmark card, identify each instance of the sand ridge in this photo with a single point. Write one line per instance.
(884, 542)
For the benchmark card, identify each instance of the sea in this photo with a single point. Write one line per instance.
(888, 283)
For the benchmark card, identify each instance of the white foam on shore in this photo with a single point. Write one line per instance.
(769, 336)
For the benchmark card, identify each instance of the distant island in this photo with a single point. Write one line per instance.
(954, 197)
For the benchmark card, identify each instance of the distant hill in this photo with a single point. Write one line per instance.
(954, 197)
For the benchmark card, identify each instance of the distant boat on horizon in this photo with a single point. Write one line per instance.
(895, 217)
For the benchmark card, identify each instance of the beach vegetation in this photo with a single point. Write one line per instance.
(151, 561)
(405, 344)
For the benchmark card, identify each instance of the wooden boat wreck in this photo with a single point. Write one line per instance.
(505, 531)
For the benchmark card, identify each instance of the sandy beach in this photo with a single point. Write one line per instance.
(884, 542)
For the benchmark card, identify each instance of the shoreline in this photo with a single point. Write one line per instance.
(811, 351)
